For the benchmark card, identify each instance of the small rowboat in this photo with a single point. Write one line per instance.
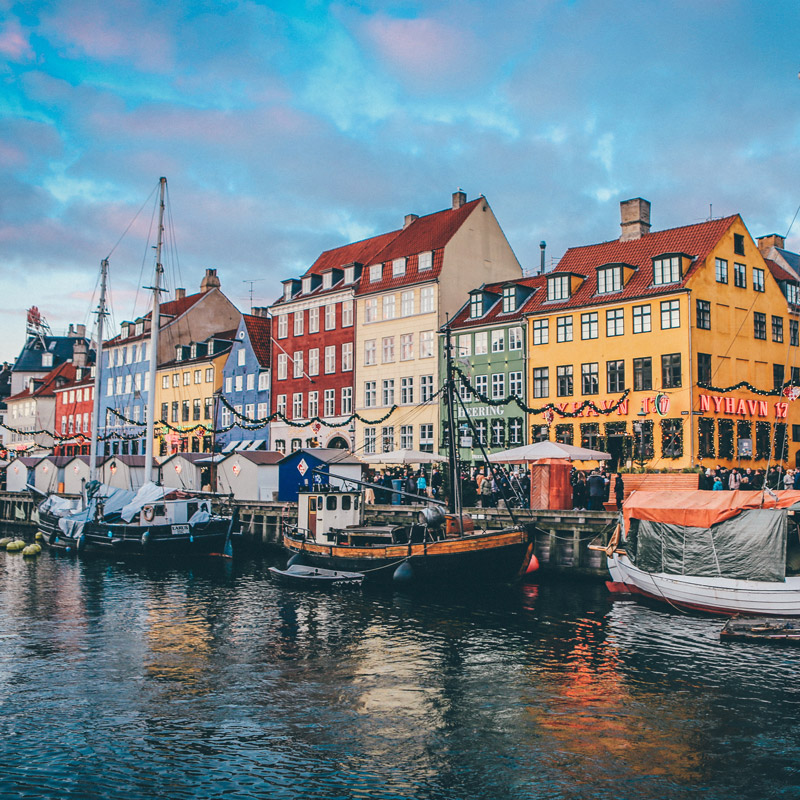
(762, 629)
(316, 577)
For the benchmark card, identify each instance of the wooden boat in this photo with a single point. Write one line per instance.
(315, 577)
(721, 552)
(760, 629)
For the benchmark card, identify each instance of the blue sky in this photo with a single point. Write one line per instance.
(286, 128)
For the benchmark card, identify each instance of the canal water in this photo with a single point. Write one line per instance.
(128, 680)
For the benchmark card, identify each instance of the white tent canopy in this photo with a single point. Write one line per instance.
(403, 457)
(540, 450)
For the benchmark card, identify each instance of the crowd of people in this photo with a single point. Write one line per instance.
(722, 479)
(591, 489)
(411, 482)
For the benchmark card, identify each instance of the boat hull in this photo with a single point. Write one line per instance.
(495, 557)
(714, 595)
(315, 577)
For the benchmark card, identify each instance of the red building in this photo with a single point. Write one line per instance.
(73, 416)
(313, 349)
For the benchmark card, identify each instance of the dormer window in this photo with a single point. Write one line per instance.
(327, 280)
(476, 305)
(193, 350)
(425, 261)
(47, 359)
(124, 328)
(349, 274)
(139, 328)
(666, 269)
(509, 299)
(375, 273)
(791, 294)
(287, 291)
(398, 267)
(558, 287)
(306, 285)
(609, 279)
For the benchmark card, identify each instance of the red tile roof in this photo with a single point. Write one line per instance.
(259, 329)
(778, 272)
(171, 309)
(63, 372)
(696, 241)
(495, 314)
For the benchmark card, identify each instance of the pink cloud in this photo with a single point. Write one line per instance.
(14, 43)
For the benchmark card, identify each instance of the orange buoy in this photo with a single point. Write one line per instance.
(533, 564)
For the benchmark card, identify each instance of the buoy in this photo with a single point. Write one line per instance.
(5, 541)
(297, 558)
(533, 564)
(39, 536)
(404, 573)
(31, 550)
(15, 546)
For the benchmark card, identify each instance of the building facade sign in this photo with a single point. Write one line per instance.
(738, 405)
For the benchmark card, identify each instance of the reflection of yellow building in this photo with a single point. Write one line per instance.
(185, 394)
(656, 314)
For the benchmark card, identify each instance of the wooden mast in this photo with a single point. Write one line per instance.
(98, 368)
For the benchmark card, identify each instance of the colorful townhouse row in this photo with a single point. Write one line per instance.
(667, 349)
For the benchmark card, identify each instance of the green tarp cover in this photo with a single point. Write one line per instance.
(751, 546)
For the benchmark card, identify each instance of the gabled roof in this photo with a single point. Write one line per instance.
(259, 329)
(495, 315)
(167, 313)
(30, 359)
(792, 259)
(778, 272)
(65, 372)
(696, 241)
(258, 456)
(328, 455)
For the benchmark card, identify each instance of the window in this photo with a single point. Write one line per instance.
(407, 346)
(369, 440)
(498, 341)
(464, 347)
(515, 431)
(406, 304)
(558, 287)
(541, 331)
(297, 405)
(738, 244)
(330, 316)
(589, 325)
(541, 382)
(704, 368)
(388, 306)
(198, 377)
(426, 388)
(176, 381)
(426, 438)
(329, 404)
(481, 384)
(758, 279)
(281, 407)
(313, 404)
(406, 437)
(297, 372)
(666, 270)
(515, 384)
(210, 375)
(388, 392)
(263, 379)
(609, 279)
(175, 410)
(671, 371)
(777, 328)
(615, 376)
(398, 267)
(371, 309)
(564, 381)
(299, 317)
(615, 322)
(740, 275)
(283, 326)
(777, 377)
(498, 386)
(313, 320)
(590, 383)
(282, 366)
(759, 325)
(794, 333)
(642, 374)
(347, 313)
(406, 391)
(263, 411)
(425, 261)
(330, 359)
(497, 433)
(481, 343)
(164, 383)
(306, 285)
(375, 273)
(704, 314)
(509, 299)
(641, 319)
(387, 438)
(327, 280)
(426, 299)
(347, 400)
(672, 438)
(187, 380)
(475, 305)
(369, 352)
(313, 361)
(426, 344)
(515, 338)
(670, 314)
(792, 293)
(347, 357)
(387, 349)
(564, 329)
(721, 270)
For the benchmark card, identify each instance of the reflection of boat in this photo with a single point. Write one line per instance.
(315, 577)
(330, 534)
(725, 552)
(154, 519)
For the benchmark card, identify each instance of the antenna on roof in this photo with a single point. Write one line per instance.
(251, 282)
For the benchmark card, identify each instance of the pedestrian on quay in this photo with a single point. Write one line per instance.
(597, 491)
(485, 491)
(717, 484)
(734, 480)
(619, 490)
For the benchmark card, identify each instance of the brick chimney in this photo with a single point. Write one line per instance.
(259, 311)
(635, 219)
(769, 241)
(210, 281)
(80, 353)
(180, 293)
(459, 199)
(409, 218)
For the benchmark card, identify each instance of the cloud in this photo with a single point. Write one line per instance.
(14, 44)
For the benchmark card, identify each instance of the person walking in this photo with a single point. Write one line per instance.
(619, 491)
(485, 491)
(597, 491)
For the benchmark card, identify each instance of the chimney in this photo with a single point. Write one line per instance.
(542, 246)
(180, 293)
(80, 353)
(769, 241)
(210, 281)
(635, 219)
(409, 218)
(71, 331)
(259, 311)
(80, 330)
(459, 198)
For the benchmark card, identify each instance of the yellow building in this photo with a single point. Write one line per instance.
(654, 329)
(186, 392)
(402, 299)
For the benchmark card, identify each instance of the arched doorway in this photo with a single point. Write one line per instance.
(339, 443)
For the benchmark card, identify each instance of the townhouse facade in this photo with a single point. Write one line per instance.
(73, 414)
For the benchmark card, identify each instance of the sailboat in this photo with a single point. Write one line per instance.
(154, 519)
(443, 545)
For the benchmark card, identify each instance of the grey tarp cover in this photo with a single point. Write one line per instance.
(751, 546)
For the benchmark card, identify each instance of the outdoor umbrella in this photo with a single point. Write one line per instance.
(539, 450)
(403, 457)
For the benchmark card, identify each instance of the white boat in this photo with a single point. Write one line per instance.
(722, 552)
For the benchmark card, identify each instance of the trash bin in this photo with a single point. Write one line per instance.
(397, 485)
